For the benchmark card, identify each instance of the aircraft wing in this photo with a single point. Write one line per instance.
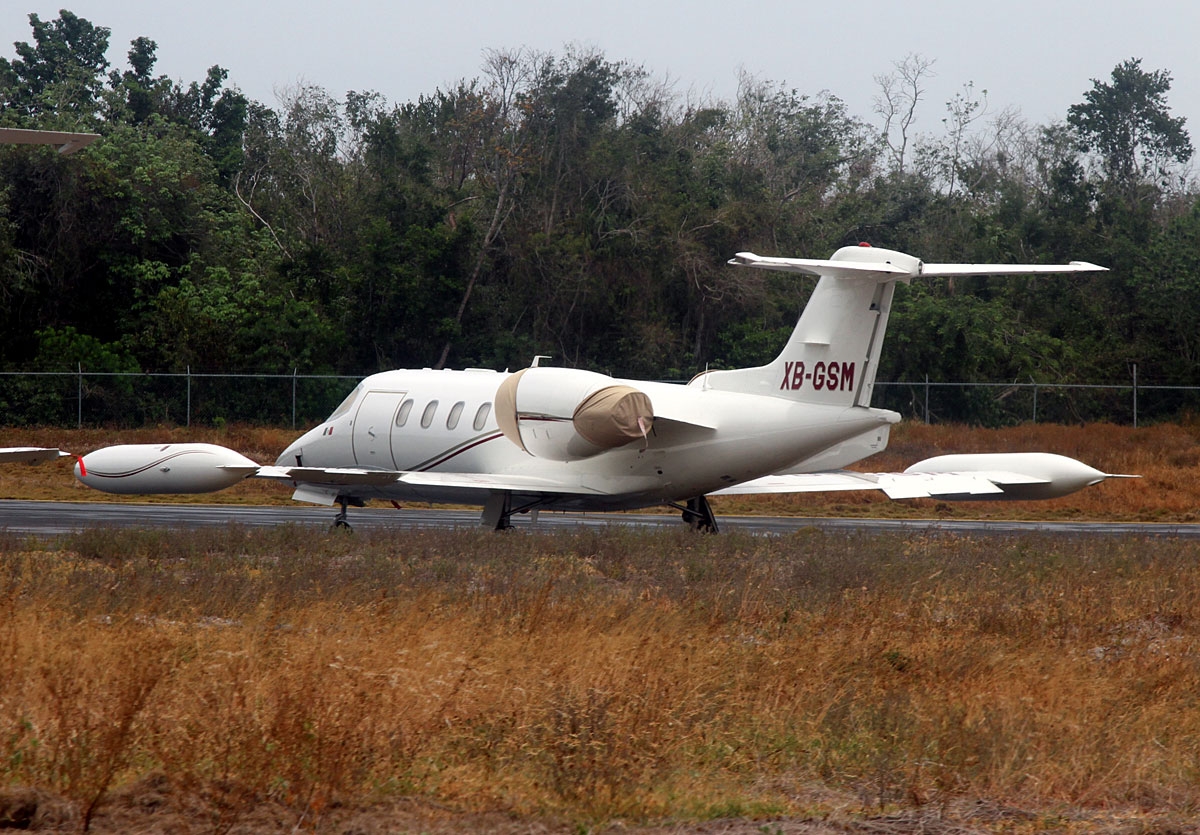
(895, 485)
(319, 477)
(998, 475)
(12, 455)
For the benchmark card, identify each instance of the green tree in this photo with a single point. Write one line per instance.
(136, 95)
(58, 80)
(1128, 123)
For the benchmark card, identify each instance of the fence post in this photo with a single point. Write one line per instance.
(1035, 389)
(79, 391)
(1135, 395)
(189, 397)
(294, 370)
(926, 398)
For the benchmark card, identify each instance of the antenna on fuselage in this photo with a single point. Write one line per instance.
(538, 359)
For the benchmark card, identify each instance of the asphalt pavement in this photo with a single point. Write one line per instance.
(51, 518)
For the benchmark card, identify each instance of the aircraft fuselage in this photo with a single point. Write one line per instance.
(445, 421)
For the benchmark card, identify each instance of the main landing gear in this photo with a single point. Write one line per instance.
(498, 511)
(698, 514)
(339, 521)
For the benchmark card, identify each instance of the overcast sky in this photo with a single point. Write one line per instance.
(1036, 55)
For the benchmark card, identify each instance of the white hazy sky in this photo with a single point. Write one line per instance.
(1036, 55)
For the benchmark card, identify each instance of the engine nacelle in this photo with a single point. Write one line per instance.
(163, 468)
(1049, 475)
(567, 414)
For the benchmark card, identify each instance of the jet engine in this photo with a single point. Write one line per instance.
(163, 468)
(567, 414)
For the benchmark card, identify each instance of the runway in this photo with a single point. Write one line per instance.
(53, 518)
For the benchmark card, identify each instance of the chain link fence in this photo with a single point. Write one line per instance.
(1005, 404)
(89, 398)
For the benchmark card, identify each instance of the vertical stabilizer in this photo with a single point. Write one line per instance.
(832, 355)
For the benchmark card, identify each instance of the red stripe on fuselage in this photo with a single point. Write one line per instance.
(453, 453)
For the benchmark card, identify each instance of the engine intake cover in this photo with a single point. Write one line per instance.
(567, 414)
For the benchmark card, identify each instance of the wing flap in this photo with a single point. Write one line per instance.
(341, 476)
(894, 485)
(497, 481)
(324, 480)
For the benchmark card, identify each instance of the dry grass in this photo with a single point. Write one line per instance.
(1166, 455)
(604, 676)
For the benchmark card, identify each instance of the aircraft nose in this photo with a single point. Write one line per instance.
(291, 457)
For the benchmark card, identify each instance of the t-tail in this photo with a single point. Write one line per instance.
(832, 356)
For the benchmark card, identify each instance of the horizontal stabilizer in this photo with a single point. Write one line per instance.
(948, 270)
(67, 142)
(822, 267)
(888, 269)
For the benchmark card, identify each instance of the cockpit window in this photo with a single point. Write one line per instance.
(345, 405)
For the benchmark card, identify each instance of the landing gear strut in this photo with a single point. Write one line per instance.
(698, 514)
(497, 511)
(339, 521)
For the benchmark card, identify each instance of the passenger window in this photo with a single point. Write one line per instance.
(455, 414)
(482, 415)
(427, 415)
(402, 414)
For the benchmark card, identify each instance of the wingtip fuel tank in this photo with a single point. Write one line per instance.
(163, 468)
(1020, 476)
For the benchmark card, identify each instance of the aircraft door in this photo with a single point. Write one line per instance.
(373, 429)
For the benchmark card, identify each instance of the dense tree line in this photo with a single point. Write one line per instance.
(574, 206)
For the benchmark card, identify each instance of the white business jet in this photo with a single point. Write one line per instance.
(570, 439)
